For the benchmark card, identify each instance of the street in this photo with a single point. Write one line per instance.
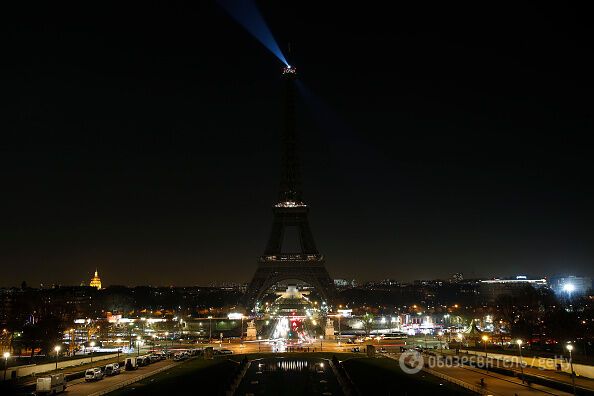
(82, 388)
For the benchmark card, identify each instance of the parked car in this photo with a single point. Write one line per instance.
(112, 369)
(197, 351)
(53, 384)
(131, 363)
(356, 349)
(181, 356)
(94, 374)
(382, 350)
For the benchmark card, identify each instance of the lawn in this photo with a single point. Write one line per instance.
(197, 376)
(382, 376)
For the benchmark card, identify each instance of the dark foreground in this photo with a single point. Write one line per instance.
(291, 374)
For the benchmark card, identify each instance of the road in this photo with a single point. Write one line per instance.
(82, 388)
(30, 382)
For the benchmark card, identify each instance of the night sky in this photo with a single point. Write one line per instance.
(144, 140)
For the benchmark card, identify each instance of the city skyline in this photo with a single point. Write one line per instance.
(249, 197)
(135, 150)
(97, 280)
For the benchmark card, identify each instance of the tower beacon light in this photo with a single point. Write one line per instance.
(289, 70)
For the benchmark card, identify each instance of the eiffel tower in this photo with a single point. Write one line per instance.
(290, 211)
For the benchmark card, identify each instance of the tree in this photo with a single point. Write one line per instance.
(43, 335)
(368, 322)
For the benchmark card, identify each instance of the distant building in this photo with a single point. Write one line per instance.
(344, 283)
(428, 282)
(95, 281)
(571, 285)
(457, 277)
(493, 288)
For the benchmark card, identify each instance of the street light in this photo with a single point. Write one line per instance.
(439, 336)
(241, 333)
(519, 342)
(569, 288)
(138, 345)
(92, 345)
(209, 329)
(339, 333)
(119, 341)
(570, 348)
(6, 356)
(130, 334)
(485, 338)
(57, 349)
(321, 343)
(72, 342)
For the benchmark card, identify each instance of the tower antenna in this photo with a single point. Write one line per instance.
(289, 53)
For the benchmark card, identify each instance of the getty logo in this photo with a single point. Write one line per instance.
(411, 362)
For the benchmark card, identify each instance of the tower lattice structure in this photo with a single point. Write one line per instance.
(290, 211)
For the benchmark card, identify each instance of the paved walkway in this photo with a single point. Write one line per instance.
(495, 384)
(580, 382)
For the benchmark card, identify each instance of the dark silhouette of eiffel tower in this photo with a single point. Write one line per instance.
(290, 211)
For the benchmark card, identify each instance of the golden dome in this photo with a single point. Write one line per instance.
(96, 281)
